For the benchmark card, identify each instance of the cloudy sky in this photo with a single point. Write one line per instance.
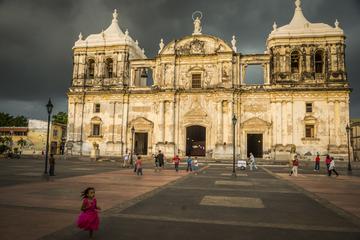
(37, 37)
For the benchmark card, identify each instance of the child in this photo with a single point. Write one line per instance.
(176, 161)
(189, 163)
(252, 162)
(126, 160)
(317, 162)
(332, 167)
(327, 162)
(196, 166)
(88, 218)
(295, 164)
(138, 166)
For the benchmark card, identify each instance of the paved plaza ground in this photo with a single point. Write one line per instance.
(261, 204)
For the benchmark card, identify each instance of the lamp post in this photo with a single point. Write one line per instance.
(348, 129)
(49, 107)
(132, 145)
(234, 120)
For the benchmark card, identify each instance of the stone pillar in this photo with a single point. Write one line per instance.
(171, 122)
(274, 123)
(331, 123)
(288, 126)
(337, 123)
(220, 139)
(161, 122)
(125, 122)
(278, 123)
(284, 123)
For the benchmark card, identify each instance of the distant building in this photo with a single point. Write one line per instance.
(183, 100)
(35, 137)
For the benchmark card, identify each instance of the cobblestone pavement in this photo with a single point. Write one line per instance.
(261, 204)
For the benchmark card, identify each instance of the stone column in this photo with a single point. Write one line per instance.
(284, 123)
(220, 139)
(331, 123)
(171, 122)
(274, 123)
(161, 122)
(278, 123)
(125, 122)
(337, 122)
(289, 122)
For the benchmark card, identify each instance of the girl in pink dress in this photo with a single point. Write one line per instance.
(88, 218)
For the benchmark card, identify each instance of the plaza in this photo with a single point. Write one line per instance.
(265, 203)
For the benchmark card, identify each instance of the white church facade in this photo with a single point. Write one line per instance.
(197, 86)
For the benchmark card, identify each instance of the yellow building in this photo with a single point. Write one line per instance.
(35, 137)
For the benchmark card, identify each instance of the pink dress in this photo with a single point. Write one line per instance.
(89, 219)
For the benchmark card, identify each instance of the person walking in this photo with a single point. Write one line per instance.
(89, 219)
(126, 160)
(176, 161)
(327, 162)
(317, 162)
(252, 162)
(156, 162)
(160, 157)
(138, 166)
(52, 165)
(332, 168)
(196, 166)
(295, 165)
(189, 164)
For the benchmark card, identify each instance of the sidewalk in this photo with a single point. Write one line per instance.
(342, 191)
(30, 211)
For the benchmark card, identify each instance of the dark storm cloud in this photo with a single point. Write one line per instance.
(37, 37)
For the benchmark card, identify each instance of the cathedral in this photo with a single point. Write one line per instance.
(192, 97)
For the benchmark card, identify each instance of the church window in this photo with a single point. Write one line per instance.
(91, 69)
(295, 62)
(97, 107)
(196, 81)
(109, 68)
(319, 62)
(96, 130)
(309, 107)
(309, 131)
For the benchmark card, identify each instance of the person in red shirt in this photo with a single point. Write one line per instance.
(317, 162)
(138, 166)
(295, 164)
(176, 161)
(327, 162)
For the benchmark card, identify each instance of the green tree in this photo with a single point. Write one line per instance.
(6, 120)
(60, 117)
(19, 121)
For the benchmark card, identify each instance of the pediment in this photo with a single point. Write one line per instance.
(197, 45)
(255, 122)
(141, 122)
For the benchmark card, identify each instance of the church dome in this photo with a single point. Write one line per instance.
(113, 35)
(301, 27)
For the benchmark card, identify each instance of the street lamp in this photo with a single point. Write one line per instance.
(132, 145)
(234, 120)
(49, 107)
(348, 129)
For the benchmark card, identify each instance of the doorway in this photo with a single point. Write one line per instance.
(195, 141)
(255, 145)
(141, 143)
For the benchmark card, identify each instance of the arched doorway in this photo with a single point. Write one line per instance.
(195, 141)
